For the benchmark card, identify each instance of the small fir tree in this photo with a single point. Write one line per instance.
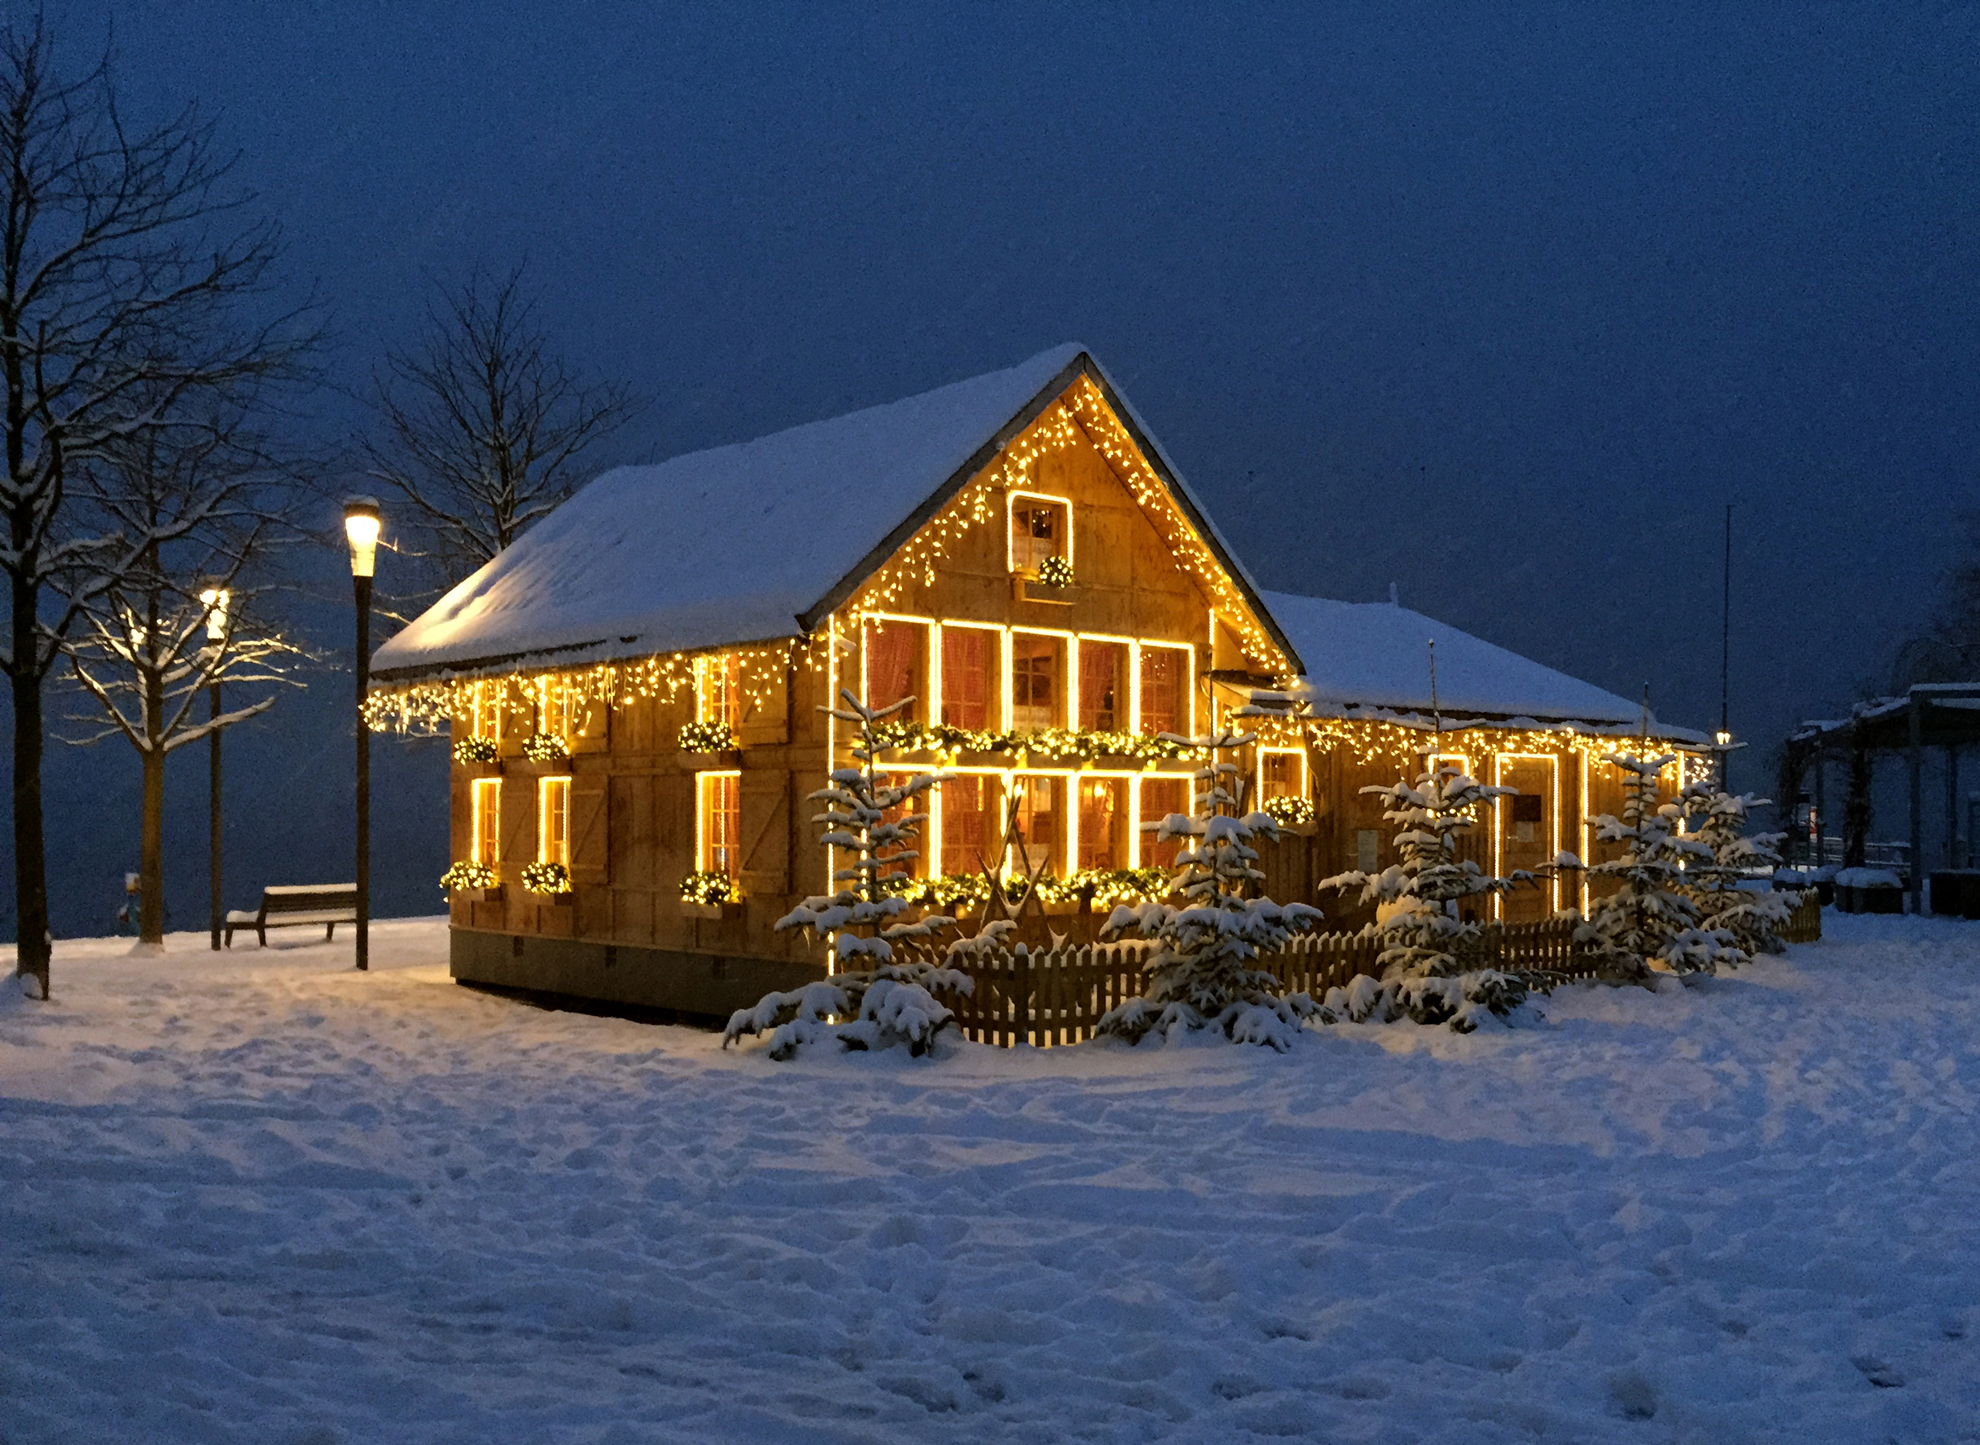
(1652, 921)
(881, 991)
(1203, 971)
(1430, 949)
(1753, 917)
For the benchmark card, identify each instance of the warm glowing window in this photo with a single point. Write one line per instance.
(1037, 670)
(1159, 798)
(1281, 774)
(1039, 824)
(720, 811)
(718, 689)
(1103, 815)
(894, 652)
(553, 821)
(1041, 527)
(487, 711)
(967, 654)
(1164, 678)
(1103, 686)
(487, 841)
(970, 830)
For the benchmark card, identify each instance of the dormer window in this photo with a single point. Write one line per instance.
(1041, 527)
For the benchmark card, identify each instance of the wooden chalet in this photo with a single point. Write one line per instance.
(634, 692)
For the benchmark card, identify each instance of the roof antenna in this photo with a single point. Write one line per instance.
(1395, 595)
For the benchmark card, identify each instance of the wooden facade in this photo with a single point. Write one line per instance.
(703, 770)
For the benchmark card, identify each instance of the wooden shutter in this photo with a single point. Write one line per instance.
(518, 823)
(765, 720)
(590, 833)
(766, 832)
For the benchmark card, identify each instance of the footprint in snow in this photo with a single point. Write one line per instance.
(1877, 1372)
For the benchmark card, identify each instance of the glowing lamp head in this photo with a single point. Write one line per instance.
(214, 600)
(1723, 738)
(361, 522)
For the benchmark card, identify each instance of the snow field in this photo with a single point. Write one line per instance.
(260, 1197)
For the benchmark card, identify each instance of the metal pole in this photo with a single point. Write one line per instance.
(1917, 751)
(1725, 657)
(363, 588)
(213, 823)
(1952, 805)
(1821, 803)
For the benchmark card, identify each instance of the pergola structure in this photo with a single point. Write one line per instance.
(1931, 715)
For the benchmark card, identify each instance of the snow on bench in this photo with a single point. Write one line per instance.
(294, 905)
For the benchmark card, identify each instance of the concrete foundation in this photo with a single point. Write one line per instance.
(600, 977)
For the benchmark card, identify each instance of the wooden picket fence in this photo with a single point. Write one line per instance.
(1050, 996)
(1804, 925)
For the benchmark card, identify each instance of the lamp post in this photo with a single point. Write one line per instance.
(361, 529)
(214, 600)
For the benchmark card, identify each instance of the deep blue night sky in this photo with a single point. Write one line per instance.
(1502, 304)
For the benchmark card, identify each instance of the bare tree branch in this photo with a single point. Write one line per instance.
(480, 427)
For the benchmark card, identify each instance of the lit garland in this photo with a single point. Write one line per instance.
(708, 887)
(429, 705)
(1090, 746)
(476, 750)
(1082, 415)
(545, 748)
(1055, 572)
(467, 876)
(1108, 886)
(707, 737)
(546, 878)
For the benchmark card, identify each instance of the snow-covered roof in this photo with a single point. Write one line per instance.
(748, 542)
(1373, 655)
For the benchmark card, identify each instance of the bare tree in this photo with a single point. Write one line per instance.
(125, 263)
(188, 615)
(480, 426)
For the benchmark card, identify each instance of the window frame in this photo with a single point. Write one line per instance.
(557, 787)
(1011, 500)
(482, 848)
(704, 843)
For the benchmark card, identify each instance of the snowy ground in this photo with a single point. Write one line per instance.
(260, 1197)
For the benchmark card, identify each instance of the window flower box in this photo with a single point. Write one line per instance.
(727, 759)
(1030, 589)
(715, 911)
(475, 882)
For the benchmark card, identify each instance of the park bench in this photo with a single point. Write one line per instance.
(297, 905)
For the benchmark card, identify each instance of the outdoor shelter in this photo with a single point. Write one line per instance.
(1931, 715)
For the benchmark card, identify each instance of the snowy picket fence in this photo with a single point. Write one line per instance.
(1804, 925)
(1051, 996)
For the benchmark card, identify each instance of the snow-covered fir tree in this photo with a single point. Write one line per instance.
(1203, 971)
(1429, 959)
(1652, 921)
(882, 988)
(1754, 917)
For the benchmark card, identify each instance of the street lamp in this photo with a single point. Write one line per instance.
(214, 600)
(361, 522)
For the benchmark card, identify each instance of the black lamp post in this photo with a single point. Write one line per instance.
(215, 600)
(361, 522)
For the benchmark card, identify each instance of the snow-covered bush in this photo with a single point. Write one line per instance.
(1203, 970)
(883, 983)
(1460, 1000)
(1753, 917)
(1652, 920)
